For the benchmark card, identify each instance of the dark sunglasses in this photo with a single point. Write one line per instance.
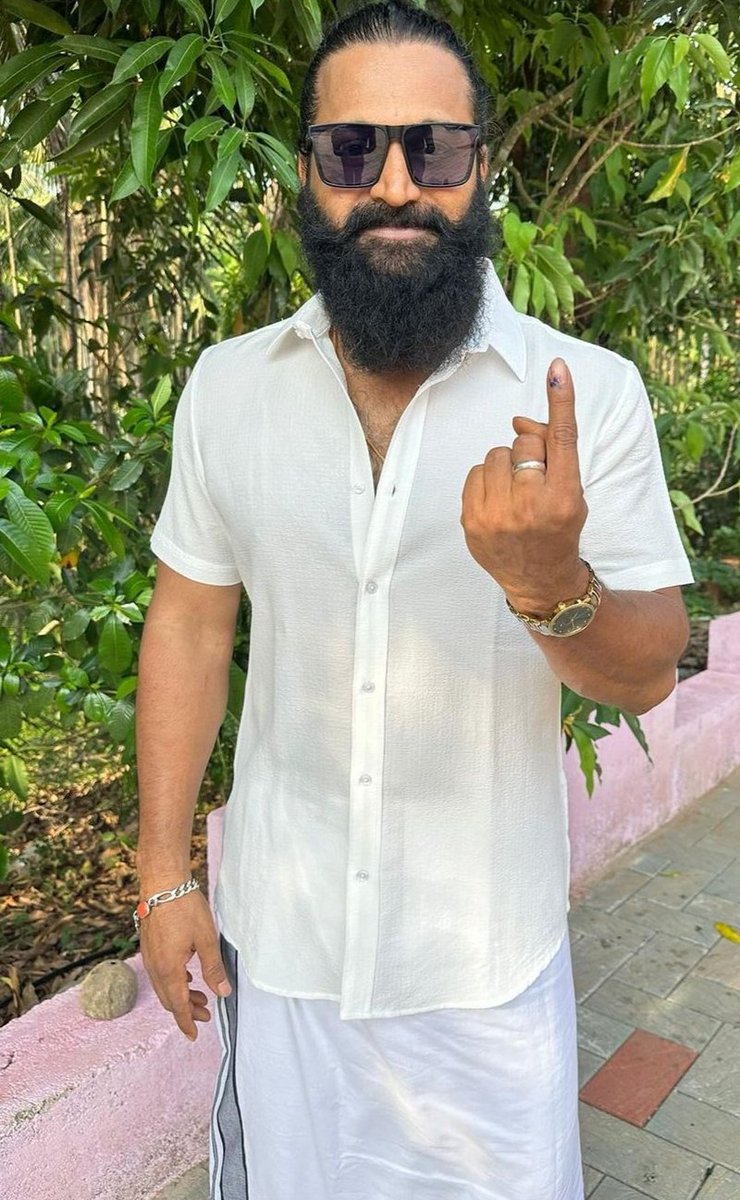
(352, 155)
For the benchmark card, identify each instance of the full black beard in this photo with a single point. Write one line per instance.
(399, 305)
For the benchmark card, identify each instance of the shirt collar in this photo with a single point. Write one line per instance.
(500, 328)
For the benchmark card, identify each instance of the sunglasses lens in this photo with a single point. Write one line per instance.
(440, 155)
(350, 155)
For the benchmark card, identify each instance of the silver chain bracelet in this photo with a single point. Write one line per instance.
(144, 907)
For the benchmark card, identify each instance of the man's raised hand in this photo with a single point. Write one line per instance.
(524, 527)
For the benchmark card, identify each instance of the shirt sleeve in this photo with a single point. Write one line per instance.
(189, 534)
(630, 536)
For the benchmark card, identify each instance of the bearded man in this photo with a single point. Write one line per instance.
(389, 950)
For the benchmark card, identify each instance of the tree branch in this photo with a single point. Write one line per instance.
(712, 491)
(589, 141)
(568, 200)
(500, 158)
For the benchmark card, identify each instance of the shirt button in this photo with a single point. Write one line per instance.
(371, 586)
(366, 779)
(368, 686)
(361, 875)
(358, 487)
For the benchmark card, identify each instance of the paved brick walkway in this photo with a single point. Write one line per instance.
(659, 1012)
(658, 991)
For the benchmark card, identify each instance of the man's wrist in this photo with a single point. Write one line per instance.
(158, 876)
(540, 603)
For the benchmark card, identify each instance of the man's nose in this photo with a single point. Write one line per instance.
(395, 184)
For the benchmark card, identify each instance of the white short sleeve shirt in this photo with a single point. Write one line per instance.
(396, 836)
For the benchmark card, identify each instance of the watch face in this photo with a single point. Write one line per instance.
(572, 620)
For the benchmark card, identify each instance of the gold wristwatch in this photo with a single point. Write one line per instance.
(569, 616)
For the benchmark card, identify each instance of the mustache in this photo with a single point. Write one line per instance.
(378, 214)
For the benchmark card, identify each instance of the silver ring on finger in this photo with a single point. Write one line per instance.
(529, 464)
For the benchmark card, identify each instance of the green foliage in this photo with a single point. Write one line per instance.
(74, 553)
(584, 723)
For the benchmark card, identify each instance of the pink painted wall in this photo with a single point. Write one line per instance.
(102, 1110)
(99, 1110)
(694, 742)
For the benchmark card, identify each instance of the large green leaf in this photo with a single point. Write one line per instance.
(224, 9)
(94, 136)
(72, 83)
(27, 535)
(23, 70)
(84, 46)
(587, 756)
(222, 177)
(11, 717)
(229, 141)
(75, 625)
(98, 108)
(279, 159)
(259, 63)
(97, 707)
(121, 720)
(679, 81)
(716, 54)
(245, 89)
(35, 122)
(126, 182)
(254, 258)
(223, 84)
(47, 218)
(518, 235)
(161, 394)
(134, 60)
(237, 684)
(144, 130)
(16, 775)
(522, 284)
(202, 128)
(666, 185)
(195, 11)
(657, 66)
(106, 528)
(126, 474)
(11, 392)
(114, 645)
(185, 52)
(38, 14)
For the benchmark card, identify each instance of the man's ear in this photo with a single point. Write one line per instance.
(302, 165)
(483, 160)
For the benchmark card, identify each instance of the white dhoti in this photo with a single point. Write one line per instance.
(457, 1104)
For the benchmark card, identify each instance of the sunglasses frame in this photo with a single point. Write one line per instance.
(395, 133)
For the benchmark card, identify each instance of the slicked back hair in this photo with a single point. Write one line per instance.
(392, 21)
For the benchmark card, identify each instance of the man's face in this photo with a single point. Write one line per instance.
(398, 265)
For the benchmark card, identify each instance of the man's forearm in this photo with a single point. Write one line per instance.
(627, 656)
(180, 704)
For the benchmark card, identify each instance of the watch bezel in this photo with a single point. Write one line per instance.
(588, 610)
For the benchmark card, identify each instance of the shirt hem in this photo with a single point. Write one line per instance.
(541, 963)
(186, 564)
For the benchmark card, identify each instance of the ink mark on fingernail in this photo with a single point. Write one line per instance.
(555, 381)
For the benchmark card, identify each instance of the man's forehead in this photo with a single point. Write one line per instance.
(393, 84)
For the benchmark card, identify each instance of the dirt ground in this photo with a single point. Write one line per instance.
(67, 901)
